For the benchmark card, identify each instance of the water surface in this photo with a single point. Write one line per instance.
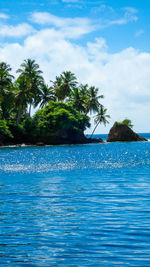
(75, 205)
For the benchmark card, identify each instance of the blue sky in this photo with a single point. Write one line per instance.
(105, 43)
(132, 28)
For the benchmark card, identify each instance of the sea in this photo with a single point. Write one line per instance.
(75, 205)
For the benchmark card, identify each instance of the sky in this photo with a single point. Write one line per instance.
(105, 43)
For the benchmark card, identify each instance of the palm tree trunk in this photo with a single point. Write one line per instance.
(19, 115)
(94, 129)
(30, 109)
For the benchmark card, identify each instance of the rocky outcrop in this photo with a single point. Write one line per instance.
(94, 140)
(121, 132)
(67, 137)
(61, 137)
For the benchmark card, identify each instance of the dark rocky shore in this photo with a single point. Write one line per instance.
(61, 138)
(118, 132)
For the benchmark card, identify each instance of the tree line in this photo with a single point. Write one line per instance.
(63, 96)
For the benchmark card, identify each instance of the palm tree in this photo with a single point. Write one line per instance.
(64, 84)
(69, 82)
(21, 96)
(101, 117)
(31, 72)
(46, 94)
(6, 85)
(57, 87)
(93, 103)
(28, 67)
(78, 100)
(5, 79)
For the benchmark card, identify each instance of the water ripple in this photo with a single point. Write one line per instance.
(75, 205)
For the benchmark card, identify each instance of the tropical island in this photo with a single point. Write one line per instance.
(63, 107)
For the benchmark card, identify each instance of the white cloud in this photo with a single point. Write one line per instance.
(70, 27)
(103, 8)
(3, 16)
(74, 28)
(122, 77)
(47, 18)
(129, 16)
(131, 10)
(119, 22)
(16, 31)
(139, 33)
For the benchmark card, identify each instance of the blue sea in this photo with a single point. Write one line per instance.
(75, 205)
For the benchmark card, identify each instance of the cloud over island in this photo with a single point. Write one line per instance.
(122, 77)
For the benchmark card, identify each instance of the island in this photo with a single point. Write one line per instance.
(62, 107)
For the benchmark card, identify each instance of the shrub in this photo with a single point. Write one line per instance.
(58, 116)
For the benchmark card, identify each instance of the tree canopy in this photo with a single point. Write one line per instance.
(56, 117)
(63, 104)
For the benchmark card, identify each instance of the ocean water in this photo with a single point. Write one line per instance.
(75, 205)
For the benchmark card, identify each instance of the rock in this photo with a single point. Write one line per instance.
(121, 132)
(39, 144)
(70, 137)
(95, 140)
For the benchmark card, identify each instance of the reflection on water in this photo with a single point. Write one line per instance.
(75, 205)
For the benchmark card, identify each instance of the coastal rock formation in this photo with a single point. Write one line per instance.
(60, 137)
(68, 137)
(94, 140)
(121, 132)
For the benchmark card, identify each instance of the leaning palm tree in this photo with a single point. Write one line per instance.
(93, 103)
(101, 117)
(31, 72)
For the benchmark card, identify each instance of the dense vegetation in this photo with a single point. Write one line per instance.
(63, 106)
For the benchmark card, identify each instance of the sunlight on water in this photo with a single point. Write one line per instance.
(57, 158)
(82, 205)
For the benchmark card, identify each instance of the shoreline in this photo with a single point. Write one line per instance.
(41, 144)
(51, 145)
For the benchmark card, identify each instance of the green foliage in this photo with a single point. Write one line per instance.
(64, 84)
(85, 99)
(6, 94)
(45, 95)
(30, 80)
(59, 116)
(78, 99)
(93, 100)
(24, 132)
(4, 130)
(128, 123)
(28, 126)
(125, 122)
